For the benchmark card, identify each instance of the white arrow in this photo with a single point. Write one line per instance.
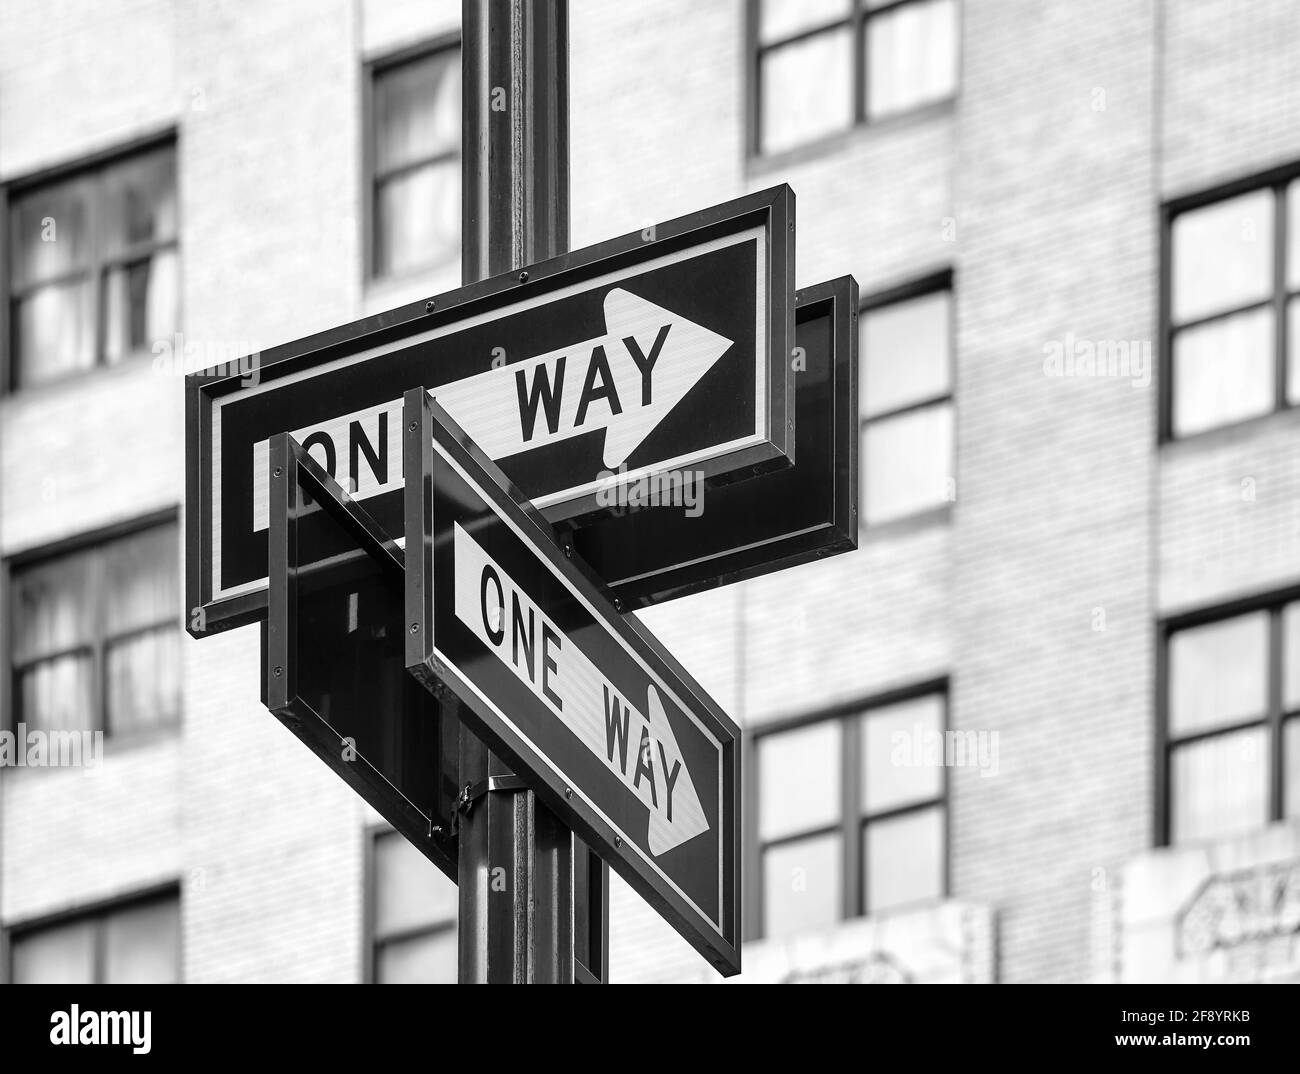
(639, 748)
(625, 382)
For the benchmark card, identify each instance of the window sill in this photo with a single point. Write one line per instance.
(125, 743)
(68, 381)
(1234, 432)
(830, 144)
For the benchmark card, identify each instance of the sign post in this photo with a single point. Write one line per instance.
(515, 198)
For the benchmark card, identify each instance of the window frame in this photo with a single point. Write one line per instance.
(373, 68)
(920, 287)
(96, 913)
(1275, 180)
(853, 819)
(98, 266)
(1273, 720)
(856, 20)
(81, 543)
(371, 940)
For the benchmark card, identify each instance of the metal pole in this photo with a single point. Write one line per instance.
(522, 873)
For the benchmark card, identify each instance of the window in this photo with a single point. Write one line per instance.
(1231, 726)
(824, 66)
(850, 816)
(130, 943)
(415, 154)
(1233, 307)
(96, 635)
(93, 267)
(412, 909)
(905, 356)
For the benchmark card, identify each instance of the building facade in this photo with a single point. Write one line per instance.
(1039, 727)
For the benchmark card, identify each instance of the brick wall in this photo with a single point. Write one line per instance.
(1036, 595)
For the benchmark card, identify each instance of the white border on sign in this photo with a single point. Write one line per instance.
(756, 234)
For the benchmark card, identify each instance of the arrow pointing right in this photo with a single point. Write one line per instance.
(625, 382)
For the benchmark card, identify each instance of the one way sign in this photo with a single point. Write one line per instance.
(582, 701)
(662, 351)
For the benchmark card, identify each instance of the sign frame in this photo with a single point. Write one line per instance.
(771, 209)
(429, 431)
(292, 470)
(762, 548)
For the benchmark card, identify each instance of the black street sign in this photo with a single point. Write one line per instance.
(335, 656)
(605, 726)
(665, 350)
(648, 554)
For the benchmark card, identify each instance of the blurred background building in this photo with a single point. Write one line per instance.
(1076, 229)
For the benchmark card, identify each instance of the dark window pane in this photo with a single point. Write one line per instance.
(142, 944)
(122, 595)
(140, 202)
(907, 463)
(53, 608)
(418, 218)
(1219, 786)
(911, 57)
(53, 331)
(410, 891)
(799, 775)
(51, 231)
(1293, 347)
(143, 680)
(903, 858)
(1218, 674)
(429, 959)
(807, 90)
(58, 694)
(417, 110)
(1223, 371)
(141, 300)
(1223, 255)
(73, 301)
(142, 581)
(64, 954)
(902, 754)
(1291, 656)
(905, 353)
(1293, 240)
(1291, 768)
(801, 885)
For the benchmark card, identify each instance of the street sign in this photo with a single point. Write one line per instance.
(805, 512)
(665, 350)
(335, 656)
(605, 726)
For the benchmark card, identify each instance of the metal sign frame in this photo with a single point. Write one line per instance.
(428, 432)
(802, 514)
(773, 210)
(294, 471)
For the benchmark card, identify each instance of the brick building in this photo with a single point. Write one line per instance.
(1076, 231)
